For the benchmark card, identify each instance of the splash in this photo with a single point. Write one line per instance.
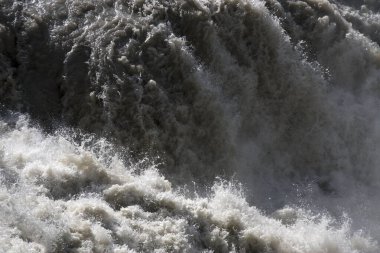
(58, 196)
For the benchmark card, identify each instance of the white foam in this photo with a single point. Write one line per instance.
(64, 197)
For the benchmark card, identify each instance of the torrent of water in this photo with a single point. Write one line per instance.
(190, 126)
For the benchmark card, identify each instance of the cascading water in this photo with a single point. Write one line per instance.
(190, 126)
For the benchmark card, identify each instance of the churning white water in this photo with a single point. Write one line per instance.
(190, 126)
(59, 196)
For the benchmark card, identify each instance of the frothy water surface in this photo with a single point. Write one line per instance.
(58, 196)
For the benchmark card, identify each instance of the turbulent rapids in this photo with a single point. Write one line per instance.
(190, 126)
